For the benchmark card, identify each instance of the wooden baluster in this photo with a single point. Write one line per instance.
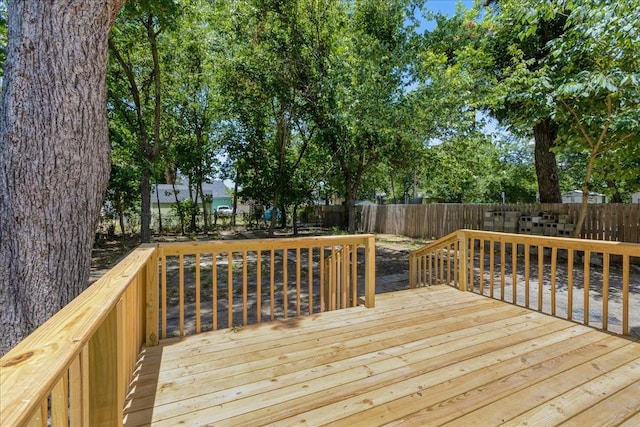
(322, 280)
(527, 274)
(198, 320)
(310, 278)
(481, 272)
(298, 278)
(514, 273)
(605, 291)
(491, 267)
(285, 291)
(587, 278)
(625, 294)
(259, 286)
(554, 264)
(272, 278)
(59, 402)
(570, 256)
(164, 296)
(229, 289)
(214, 289)
(540, 276)
(181, 292)
(503, 261)
(245, 289)
(354, 275)
(472, 262)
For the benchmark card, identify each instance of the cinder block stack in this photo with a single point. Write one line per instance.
(565, 228)
(539, 223)
(493, 221)
(550, 224)
(511, 221)
(525, 224)
(537, 226)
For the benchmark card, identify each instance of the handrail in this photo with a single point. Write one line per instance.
(420, 261)
(548, 273)
(449, 238)
(61, 354)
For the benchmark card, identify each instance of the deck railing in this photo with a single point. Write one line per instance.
(223, 284)
(76, 368)
(575, 279)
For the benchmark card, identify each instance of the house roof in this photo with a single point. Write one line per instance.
(165, 193)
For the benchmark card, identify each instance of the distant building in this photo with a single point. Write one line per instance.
(164, 197)
(575, 196)
(635, 197)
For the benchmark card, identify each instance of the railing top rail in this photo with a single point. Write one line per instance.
(29, 371)
(448, 239)
(176, 248)
(621, 248)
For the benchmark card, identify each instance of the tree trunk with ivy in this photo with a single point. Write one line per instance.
(54, 156)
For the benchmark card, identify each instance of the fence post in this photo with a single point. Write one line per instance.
(463, 264)
(370, 272)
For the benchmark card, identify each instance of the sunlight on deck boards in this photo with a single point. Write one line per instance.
(428, 356)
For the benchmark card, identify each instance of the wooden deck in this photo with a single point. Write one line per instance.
(428, 356)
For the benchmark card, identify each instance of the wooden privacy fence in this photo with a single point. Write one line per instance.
(611, 222)
(76, 368)
(589, 281)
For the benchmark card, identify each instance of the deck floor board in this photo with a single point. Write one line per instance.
(429, 356)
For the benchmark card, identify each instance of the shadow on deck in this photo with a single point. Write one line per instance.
(427, 356)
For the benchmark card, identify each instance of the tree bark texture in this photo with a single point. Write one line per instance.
(546, 166)
(54, 156)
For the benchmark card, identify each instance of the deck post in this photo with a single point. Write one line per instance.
(152, 299)
(370, 272)
(463, 263)
(413, 280)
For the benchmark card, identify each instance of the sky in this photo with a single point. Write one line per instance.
(445, 7)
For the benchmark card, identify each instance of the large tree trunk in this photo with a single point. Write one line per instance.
(54, 156)
(545, 133)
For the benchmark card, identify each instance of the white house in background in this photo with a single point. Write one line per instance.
(163, 199)
(575, 196)
(635, 197)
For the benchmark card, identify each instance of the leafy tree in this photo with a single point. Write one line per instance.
(515, 52)
(54, 156)
(135, 86)
(191, 92)
(361, 108)
(589, 82)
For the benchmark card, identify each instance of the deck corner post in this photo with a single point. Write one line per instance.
(152, 303)
(370, 272)
(463, 265)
